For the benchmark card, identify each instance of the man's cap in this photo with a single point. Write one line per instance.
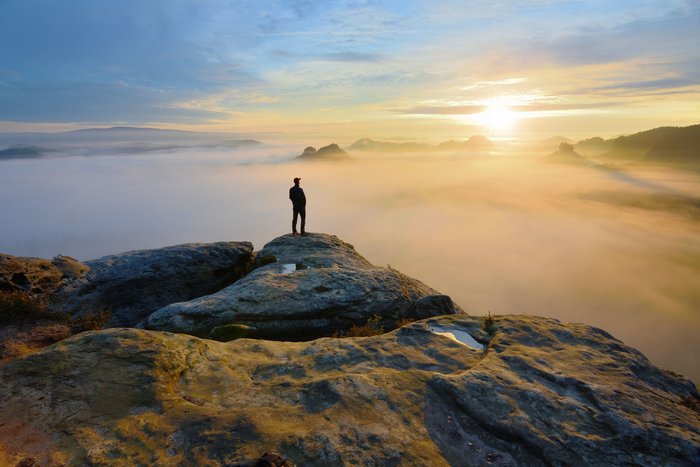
(297, 179)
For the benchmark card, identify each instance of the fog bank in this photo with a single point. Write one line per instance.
(506, 235)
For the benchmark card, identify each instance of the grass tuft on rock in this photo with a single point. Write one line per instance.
(405, 321)
(28, 323)
(17, 306)
(91, 322)
(404, 282)
(370, 328)
(489, 324)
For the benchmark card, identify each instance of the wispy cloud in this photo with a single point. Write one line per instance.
(530, 107)
(490, 84)
(444, 110)
(663, 85)
(353, 57)
(92, 102)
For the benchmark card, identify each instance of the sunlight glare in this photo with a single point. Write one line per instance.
(497, 117)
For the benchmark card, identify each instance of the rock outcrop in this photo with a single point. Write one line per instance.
(539, 393)
(330, 152)
(305, 287)
(309, 151)
(134, 284)
(567, 155)
(38, 276)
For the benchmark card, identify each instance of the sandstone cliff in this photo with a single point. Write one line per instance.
(134, 284)
(305, 287)
(539, 393)
(445, 389)
(332, 152)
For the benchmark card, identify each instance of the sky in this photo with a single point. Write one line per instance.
(348, 69)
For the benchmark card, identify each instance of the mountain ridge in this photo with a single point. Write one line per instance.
(476, 143)
(657, 145)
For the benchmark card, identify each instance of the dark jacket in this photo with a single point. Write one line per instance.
(296, 194)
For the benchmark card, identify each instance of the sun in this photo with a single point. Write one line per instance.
(497, 117)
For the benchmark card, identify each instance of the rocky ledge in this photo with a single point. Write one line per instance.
(304, 288)
(444, 389)
(134, 284)
(38, 276)
(538, 393)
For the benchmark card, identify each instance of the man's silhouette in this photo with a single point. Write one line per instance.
(296, 194)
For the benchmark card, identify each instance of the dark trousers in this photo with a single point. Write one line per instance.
(299, 211)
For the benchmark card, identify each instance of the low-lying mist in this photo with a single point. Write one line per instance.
(506, 235)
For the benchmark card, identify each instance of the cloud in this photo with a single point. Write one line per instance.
(226, 57)
(489, 84)
(639, 40)
(557, 106)
(664, 84)
(338, 56)
(92, 102)
(353, 57)
(529, 107)
(56, 58)
(444, 110)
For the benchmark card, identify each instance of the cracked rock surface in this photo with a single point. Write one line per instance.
(539, 393)
(306, 287)
(134, 284)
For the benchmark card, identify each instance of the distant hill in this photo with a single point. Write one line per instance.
(21, 152)
(475, 143)
(665, 144)
(658, 145)
(681, 145)
(125, 133)
(566, 155)
(120, 134)
(551, 144)
(115, 140)
(330, 152)
(593, 146)
(367, 144)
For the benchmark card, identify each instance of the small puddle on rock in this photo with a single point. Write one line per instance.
(457, 335)
(289, 268)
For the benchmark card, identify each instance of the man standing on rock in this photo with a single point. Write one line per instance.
(296, 194)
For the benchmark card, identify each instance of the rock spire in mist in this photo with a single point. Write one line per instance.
(330, 152)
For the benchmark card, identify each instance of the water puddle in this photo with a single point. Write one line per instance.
(289, 268)
(456, 335)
